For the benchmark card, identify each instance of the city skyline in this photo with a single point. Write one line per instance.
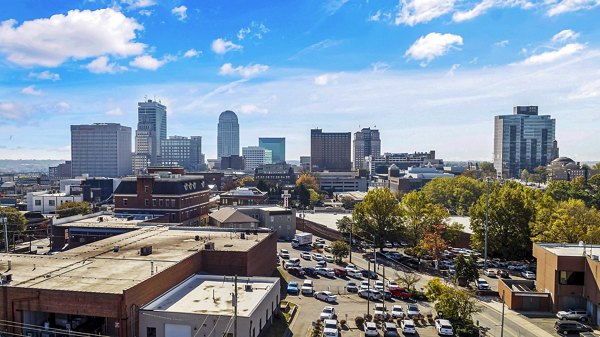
(426, 77)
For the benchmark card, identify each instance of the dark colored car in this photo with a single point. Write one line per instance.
(340, 272)
(369, 273)
(503, 273)
(567, 327)
(310, 271)
(297, 271)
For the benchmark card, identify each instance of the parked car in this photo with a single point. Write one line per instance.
(369, 274)
(380, 312)
(392, 284)
(354, 273)
(292, 263)
(320, 240)
(326, 296)
(365, 285)
(408, 326)
(390, 330)
(573, 314)
(330, 328)
(327, 248)
(482, 284)
(528, 274)
(328, 272)
(327, 313)
(297, 271)
(351, 287)
(371, 294)
(340, 272)
(321, 264)
(310, 271)
(284, 254)
(400, 293)
(412, 311)
(371, 329)
(489, 272)
(307, 287)
(317, 257)
(379, 285)
(568, 327)
(444, 327)
(503, 273)
(397, 311)
(305, 255)
(328, 258)
(292, 288)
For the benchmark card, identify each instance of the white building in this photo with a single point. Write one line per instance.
(255, 156)
(341, 181)
(46, 202)
(202, 306)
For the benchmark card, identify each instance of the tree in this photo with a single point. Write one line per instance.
(308, 180)
(453, 233)
(73, 208)
(16, 222)
(487, 169)
(568, 221)
(246, 181)
(344, 225)
(314, 197)
(340, 249)
(458, 305)
(419, 214)
(408, 280)
(262, 186)
(303, 195)
(435, 288)
(511, 207)
(433, 243)
(456, 194)
(525, 176)
(596, 166)
(348, 202)
(465, 269)
(377, 216)
(540, 174)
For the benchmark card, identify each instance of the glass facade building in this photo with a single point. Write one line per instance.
(101, 150)
(228, 135)
(277, 147)
(182, 151)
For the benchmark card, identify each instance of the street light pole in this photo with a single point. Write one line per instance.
(502, 326)
(351, 228)
(487, 207)
(4, 221)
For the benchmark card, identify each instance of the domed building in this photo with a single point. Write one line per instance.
(228, 135)
(565, 168)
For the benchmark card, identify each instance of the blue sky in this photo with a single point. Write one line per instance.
(430, 74)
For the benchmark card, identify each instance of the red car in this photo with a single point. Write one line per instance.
(400, 293)
(296, 271)
(340, 272)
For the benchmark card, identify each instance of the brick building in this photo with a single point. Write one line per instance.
(176, 199)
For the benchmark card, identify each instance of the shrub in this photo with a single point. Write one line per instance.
(419, 296)
(368, 317)
(360, 321)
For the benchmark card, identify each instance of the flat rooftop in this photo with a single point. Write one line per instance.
(326, 219)
(96, 267)
(211, 295)
(103, 221)
(574, 249)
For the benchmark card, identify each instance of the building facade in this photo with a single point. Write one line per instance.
(277, 147)
(233, 162)
(243, 196)
(151, 130)
(278, 219)
(228, 135)
(330, 151)
(255, 156)
(60, 171)
(523, 140)
(47, 202)
(366, 143)
(101, 150)
(341, 181)
(281, 174)
(182, 151)
(381, 164)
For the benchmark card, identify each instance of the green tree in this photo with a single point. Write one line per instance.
(453, 233)
(73, 208)
(540, 174)
(435, 288)
(348, 202)
(568, 221)
(303, 195)
(340, 249)
(458, 306)
(261, 185)
(465, 269)
(596, 166)
(419, 214)
(378, 216)
(511, 207)
(525, 176)
(487, 169)
(314, 197)
(456, 194)
(344, 225)
(16, 222)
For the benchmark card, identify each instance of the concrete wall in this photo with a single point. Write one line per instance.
(318, 230)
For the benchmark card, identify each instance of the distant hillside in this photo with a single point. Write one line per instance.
(27, 165)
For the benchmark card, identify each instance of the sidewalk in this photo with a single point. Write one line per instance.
(517, 319)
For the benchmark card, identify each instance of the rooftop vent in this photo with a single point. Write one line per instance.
(209, 246)
(146, 250)
(248, 287)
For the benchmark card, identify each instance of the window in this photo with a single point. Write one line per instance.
(172, 202)
(51, 202)
(150, 332)
(146, 202)
(146, 189)
(571, 278)
(160, 203)
(124, 202)
(167, 203)
(38, 202)
(153, 202)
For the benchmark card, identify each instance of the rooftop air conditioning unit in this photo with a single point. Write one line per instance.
(248, 287)
(209, 246)
(146, 250)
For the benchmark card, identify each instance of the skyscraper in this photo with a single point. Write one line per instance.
(101, 150)
(330, 151)
(276, 145)
(182, 151)
(255, 156)
(228, 135)
(151, 129)
(366, 143)
(523, 140)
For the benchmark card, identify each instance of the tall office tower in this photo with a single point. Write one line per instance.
(366, 143)
(182, 151)
(277, 146)
(330, 151)
(101, 150)
(255, 156)
(228, 135)
(523, 140)
(151, 130)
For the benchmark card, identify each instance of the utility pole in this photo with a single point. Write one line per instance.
(384, 292)
(5, 222)
(235, 306)
(351, 227)
(487, 206)
(502, 326)
(368, 287)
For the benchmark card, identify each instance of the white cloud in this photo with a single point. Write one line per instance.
(220, 46)
(63, 106)
(453, 69)
(588, 90)
(325, 79)
(242, 33)
(114, 112)
(148, 62)
(332, 6)
(249, 109)
(554, 55)
(244, 71)
(566, 6)
(45, 75)
(11, 111)
(413, 12)
(180, 12)
(433, 45)
(375, 17)
(501, 44)
(77, 35)
(380, 66)
(255, 30)
(485, 5)
(146, 12)
(191, 53)
(30, 90)
(564, 36)
(101, 65)
(134, 4)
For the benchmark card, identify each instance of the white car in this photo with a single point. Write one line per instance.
(390, 329)
(317, 257)
(408, 326)
(307, 288)
(353, 272)
(412, 311)
(364, 285)
(328, 272)
(326, 296)
(372, 294)
(330, 328)
(351, 287)
(328, 258)
(443, 327)
(319, 240)
(371, 329)
(327, 313)
(284, 254)
(379, 285)
(380, 311)
(397, 311)
(489, 272)
(482, 284)
(392, 284)
(528, 275)
(573, 314)
(306, 256)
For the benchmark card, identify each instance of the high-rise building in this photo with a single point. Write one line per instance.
(151, 130)
(228, 135)
(366, 143)
(182, 151)
(101, 150)
(276, 145)
(330, 151)
(523, 140)
(305, 163)
(255, 156)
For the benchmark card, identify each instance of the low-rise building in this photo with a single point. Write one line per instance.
(231, 218)
(46, 202)
(210, 299)
(566, 169)
(243, 196)
(380, 164)
(278, 219)
(281, 174)
(341, 181)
